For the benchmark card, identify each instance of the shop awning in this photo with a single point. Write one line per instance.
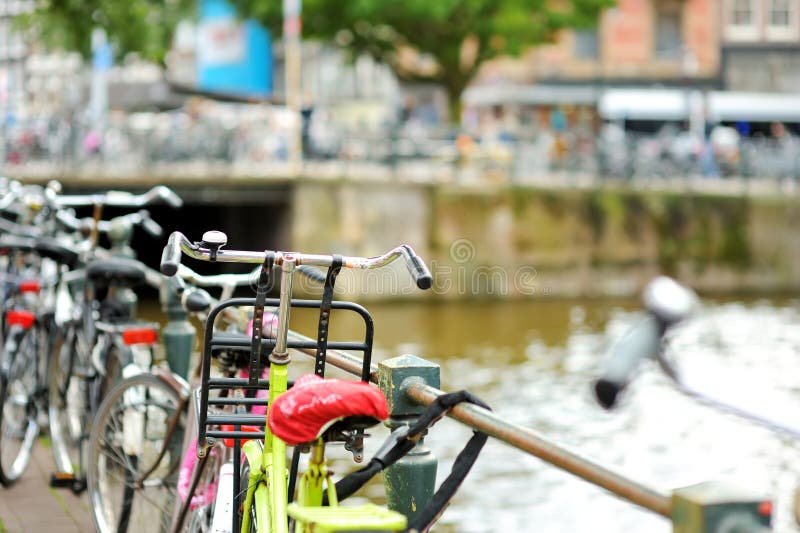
(754, 107)
(644, 104)
(487, 95)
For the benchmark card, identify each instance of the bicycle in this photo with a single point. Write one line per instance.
(667, 304)
(96, 310)
(265, 506)
(136, 444)
(30, 333)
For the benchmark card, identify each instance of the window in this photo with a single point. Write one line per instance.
(586, 44)
(780, 13)
(669, 44)
(743, 20)
(782, 22)
(742, 13)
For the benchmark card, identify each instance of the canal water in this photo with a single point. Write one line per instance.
(534, 362)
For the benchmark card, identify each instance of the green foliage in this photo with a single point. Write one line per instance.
(142, 26)
(459, 34)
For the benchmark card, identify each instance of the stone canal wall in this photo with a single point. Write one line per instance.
(525, 242)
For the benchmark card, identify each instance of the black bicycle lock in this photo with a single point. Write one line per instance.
(258, 318)
(402, 440)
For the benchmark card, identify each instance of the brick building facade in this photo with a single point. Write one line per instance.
(638, 42)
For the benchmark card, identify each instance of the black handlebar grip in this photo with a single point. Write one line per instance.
(420, 271)
(171, 257)
(640, 342)
(311, 273)
(196, 300)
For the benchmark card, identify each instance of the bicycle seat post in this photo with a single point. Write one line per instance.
(280, 354)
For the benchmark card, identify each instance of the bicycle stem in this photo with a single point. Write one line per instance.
(280, 355)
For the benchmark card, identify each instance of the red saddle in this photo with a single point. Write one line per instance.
(313, 404)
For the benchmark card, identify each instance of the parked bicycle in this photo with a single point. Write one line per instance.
(310, 414)
(84, 313)
(667, 304)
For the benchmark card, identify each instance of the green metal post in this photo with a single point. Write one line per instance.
(178, 334)
(714, 506)
(410, 482)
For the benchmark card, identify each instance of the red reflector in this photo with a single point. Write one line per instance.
(29, 285)
(20, 318)
(765, 508)
(229, 442)
(139, 336)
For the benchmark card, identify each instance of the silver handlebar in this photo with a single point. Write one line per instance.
(120, 198)
(178, 243)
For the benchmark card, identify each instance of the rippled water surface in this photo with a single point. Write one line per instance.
(533, 362)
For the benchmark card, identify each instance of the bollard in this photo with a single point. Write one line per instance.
(410, 482)
(178, 334)
(712, 506)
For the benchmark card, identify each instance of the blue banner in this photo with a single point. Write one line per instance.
(233, 56)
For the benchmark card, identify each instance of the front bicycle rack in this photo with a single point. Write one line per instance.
(210, 426)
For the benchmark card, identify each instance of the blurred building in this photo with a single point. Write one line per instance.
(638, 42)
(761, 45)
(13, 53)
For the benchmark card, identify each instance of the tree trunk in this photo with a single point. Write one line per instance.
(454, 89)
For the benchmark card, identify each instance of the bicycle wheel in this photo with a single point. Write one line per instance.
(206, 497)
(75, 390)
(67, 400)
(128, 435)
(18, 424)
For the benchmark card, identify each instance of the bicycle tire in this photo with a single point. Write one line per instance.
(19, 427)
(66, 402)
(117, 457)
(73, 399)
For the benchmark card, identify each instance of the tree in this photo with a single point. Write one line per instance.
(141, 26)
(460, 35)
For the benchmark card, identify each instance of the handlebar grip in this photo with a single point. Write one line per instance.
(640, 342)
(171, 257)
(196, 300)
(311, 273)
(149, 225)
(418, 269)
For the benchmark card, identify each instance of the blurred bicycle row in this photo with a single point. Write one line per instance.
(256, 139)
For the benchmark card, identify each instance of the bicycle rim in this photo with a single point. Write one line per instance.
(127, 436)
(18, 424)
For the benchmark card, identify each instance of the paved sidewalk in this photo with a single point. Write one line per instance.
(30, 505)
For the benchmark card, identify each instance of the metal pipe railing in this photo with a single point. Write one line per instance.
(528, 441)
(519, 437)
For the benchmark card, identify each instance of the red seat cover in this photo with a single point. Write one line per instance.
(304, 411)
